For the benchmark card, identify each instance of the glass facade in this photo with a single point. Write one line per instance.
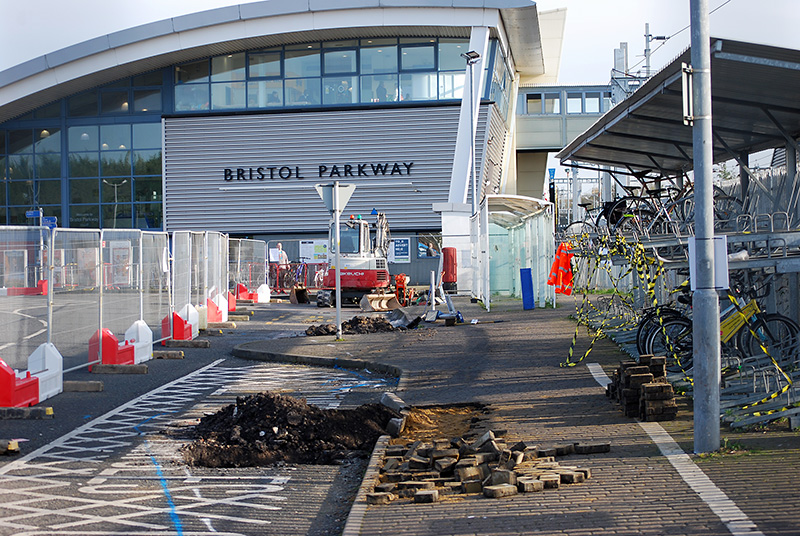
(556, 101)
(94, 159)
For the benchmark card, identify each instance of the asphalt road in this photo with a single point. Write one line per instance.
(109, 462)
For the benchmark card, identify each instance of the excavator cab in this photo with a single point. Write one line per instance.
(364, 274)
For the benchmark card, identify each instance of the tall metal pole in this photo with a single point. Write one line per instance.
(473, 163)
(705, 302)
(337, 239)
(647, 49)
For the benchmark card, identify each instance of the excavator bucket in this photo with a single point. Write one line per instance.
(379, 302)
(298, 295)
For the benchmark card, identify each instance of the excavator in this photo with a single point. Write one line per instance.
(364, 270)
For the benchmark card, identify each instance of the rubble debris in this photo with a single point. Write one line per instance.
(642, 390)
(355, 326)
(269, 428)
(428, 470)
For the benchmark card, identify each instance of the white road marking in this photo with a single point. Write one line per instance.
(731, 515)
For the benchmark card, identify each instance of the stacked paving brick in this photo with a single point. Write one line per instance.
(428, 471)
(642, 390)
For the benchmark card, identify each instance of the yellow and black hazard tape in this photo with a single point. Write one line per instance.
(581, 313)
(775, 394)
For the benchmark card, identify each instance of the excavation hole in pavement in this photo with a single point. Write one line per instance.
(426, 423)
(269, 428)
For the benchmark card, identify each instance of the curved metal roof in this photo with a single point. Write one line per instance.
(755, 94)
(256, 25)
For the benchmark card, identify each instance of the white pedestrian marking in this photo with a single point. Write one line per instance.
(101, 479)
(735, 520)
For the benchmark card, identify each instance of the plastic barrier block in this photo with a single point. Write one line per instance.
(113, 352)
(214, 313)
(47, 364)
(181, 330)
(231, 303)
(242, 292)
(41, 285)
(16, 392)
(141, 337)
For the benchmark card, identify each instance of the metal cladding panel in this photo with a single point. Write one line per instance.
(494, 147)
(399, 159)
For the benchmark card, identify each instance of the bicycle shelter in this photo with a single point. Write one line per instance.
(649, 136)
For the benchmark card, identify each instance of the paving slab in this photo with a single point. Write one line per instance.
(510, 359)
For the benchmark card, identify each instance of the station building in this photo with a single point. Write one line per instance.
(226, 119)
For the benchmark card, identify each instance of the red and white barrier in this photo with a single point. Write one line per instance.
(17, 390)
(114, 352)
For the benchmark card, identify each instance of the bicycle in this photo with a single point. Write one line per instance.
(746, 332)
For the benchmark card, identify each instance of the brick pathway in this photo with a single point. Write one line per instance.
(513, 365)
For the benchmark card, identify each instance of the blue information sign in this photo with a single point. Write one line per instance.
(50, 221)
(33, 214)
(552, 172)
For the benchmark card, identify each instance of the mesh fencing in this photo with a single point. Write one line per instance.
(24, 256)
(181, 270)
(76, 315)
(216, 285)
(247, 263)
(155, 280)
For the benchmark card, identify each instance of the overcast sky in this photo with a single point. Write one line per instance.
(594, 28)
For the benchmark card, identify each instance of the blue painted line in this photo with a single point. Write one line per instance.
(173, 514)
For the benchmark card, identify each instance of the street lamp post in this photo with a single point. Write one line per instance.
(472, 58)
(115, 186)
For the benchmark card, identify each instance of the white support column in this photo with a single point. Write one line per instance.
(459, 178)
(456, 212)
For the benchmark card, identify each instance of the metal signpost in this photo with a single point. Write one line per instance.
(335, 196)
(705, 302)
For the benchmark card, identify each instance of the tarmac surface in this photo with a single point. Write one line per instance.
(649, 482)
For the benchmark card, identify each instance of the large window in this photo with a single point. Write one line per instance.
(30, 166)
(571, 101)
(94, 158)
(330, 73)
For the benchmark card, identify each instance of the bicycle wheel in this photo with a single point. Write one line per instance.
(578, 229)
(727, 210)
(777, 333)
(635, 222)
(650, 322)
(676, 346)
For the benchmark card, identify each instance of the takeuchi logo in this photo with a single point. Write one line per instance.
(265, 173)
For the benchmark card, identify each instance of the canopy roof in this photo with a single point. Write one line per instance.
(755, 93)
(509, 211)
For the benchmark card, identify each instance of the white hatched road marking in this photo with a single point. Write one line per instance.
(731, 515)
(114, 476)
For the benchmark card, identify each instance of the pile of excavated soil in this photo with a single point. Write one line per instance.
(269, 428)
(356, 325)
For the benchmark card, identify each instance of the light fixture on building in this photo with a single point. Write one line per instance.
(85, 136)
(472, 58)
(124, 106)
(44, 133)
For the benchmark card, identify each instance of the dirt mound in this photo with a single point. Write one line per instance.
(356, 325)
(267, 428)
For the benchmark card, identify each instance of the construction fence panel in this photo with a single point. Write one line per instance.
(76, 295)
(199, 267)
(182, 271)
(247, 263)
(307, 262)
(155, 280)
(121, 300)
(24, 256)
(217, 272)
